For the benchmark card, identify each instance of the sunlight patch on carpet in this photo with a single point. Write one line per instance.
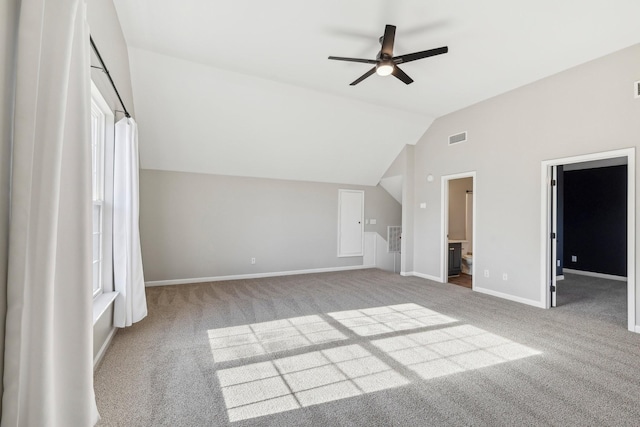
(359, 363)
(380, 320)
(450, 350)
(269, 337)
(309, 379)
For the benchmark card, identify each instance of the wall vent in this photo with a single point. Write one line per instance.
(394, 234)
(636, 89)
(458, 138)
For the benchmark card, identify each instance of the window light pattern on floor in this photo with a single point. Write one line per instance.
(269, 337)
(380, 320)
(308, 379)
(451, 350)
(359, 363)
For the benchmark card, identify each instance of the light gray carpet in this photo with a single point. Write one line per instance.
(603, 299)
(364, 348)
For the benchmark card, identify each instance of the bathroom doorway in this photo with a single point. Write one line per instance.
(567, 251)
(458, 229)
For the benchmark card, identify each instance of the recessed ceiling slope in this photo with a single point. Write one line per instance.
(196, 118)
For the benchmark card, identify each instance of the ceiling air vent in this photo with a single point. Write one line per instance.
(636, 89)
(458, 138)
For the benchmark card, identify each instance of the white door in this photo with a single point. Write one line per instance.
(350, 223)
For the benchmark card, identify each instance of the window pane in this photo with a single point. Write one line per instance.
(97, 217)
(97, 241)
(96, 276)
(97, 246)
(94, 153)
(97, 150)
(99, 109)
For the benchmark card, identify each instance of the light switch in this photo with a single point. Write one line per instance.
(423, 206)
(372, 221)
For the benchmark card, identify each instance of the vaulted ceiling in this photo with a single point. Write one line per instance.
(245, 88)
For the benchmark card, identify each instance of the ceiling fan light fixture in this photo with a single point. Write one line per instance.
(384, 68)
(385, 62)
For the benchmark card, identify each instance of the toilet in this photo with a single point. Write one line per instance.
(467, 262)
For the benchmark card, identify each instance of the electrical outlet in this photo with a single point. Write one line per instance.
(558, 263)
(574, 258)
(486, 273)
(253, 260)
(505, 276)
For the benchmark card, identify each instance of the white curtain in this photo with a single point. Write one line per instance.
(48, 375)
(131, 303)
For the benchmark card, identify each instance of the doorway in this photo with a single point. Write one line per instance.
(458, 229)
(551, 260)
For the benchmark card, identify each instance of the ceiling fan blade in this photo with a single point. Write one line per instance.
(401, 75)
(364, 76)
(419, 55)
(388, 39)
(366, 61)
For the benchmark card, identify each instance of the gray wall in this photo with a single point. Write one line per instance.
(408, 212)
(107, 34)
(403, 166)
(587, 109)
(399, 166)
(199, 225)
(8, 28)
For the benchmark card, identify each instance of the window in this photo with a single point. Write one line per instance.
(97, 166)
(102, 189)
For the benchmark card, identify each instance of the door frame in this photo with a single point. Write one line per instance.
(546, 261)
(444, 224)
(553, 242)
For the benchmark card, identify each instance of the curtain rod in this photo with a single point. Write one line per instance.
(106, 71)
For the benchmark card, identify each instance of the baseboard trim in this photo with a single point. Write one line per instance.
(422, 276)
(254, 275)
(103, 349)
(592, 274)
(509, 297)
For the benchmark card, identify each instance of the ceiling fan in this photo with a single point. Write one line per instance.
(385, 63)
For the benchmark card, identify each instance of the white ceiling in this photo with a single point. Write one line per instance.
(245, 88)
